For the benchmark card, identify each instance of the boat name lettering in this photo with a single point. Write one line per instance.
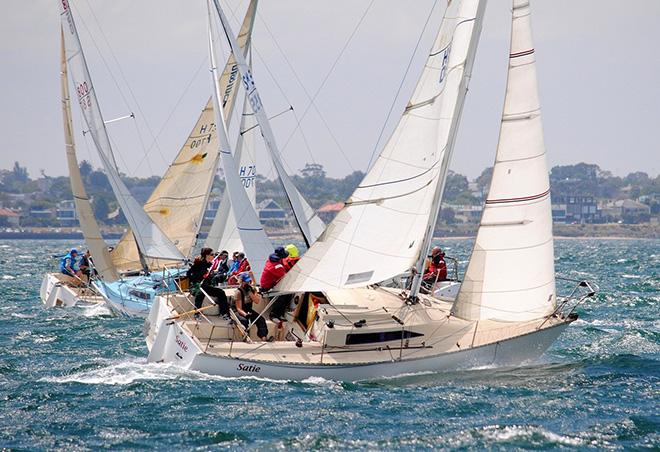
(249, 368)
(181, 344)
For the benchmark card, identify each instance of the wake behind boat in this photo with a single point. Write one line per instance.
(342, 323)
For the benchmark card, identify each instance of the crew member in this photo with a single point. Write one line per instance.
(273, 272)
(246, 296)
(242, 266)
(437, 270)
(292, 258)
(200, 279)
(68, 264)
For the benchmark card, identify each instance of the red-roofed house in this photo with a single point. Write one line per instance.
(329, 210)
(9, 218)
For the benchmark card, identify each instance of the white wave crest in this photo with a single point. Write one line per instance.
(522, 432)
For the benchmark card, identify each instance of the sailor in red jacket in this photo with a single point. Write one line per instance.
(273, 271)
(437, 270)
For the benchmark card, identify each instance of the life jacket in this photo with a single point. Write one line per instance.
(289, 262)
(273, 272)
(437, 267)
(67, 261)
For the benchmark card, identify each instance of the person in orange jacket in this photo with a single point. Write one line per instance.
(292, 258)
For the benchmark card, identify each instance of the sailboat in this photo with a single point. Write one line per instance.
(345, 325)
(128, 279)
(58, 289)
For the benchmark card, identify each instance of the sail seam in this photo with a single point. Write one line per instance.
(521, 199)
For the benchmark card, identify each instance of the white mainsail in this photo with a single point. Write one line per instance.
(224, 232)
(151, 240)
(511, 274)
(308, 221)
(380, 233)
(178, 203)
(88, 225)
(256, 244)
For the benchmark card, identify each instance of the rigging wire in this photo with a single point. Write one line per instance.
(403, 79)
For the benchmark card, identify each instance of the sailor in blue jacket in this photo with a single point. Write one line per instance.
(68, 264)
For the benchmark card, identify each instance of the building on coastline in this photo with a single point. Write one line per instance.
(66, 213)
(271, 213)
(329, 210)
(9, 218)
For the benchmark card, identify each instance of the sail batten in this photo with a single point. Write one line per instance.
(382, 230)
(510, 275)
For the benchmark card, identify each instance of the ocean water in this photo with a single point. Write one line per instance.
(78, 379)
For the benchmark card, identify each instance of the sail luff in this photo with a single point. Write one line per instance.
(435, 206)
(178, 203)
(254, 239)
(151, 239)
(510, 275)
(90, 228)
(309, 223)
(384, 226)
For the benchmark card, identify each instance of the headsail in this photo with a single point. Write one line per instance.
(511, 274)
(224, 232)
(310, 224)
(256, 244)
(153, 243)
(178, 203)
(88, 225)
(380, 232)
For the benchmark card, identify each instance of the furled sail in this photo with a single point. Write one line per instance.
(151, 240)
(178, 203)
(308, 221)
(256, 244)
(88, 225)
(224, 232)
(380, 233)
(511, 274)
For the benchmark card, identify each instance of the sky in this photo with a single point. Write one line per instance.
(598, 66)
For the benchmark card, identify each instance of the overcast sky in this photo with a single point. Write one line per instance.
(598, 64)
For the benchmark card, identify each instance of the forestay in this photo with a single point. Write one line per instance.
(88, 225)
(380, 232)
(511, 274)
(310, 224)
(151, 240)
(178, 203)
(256, 244)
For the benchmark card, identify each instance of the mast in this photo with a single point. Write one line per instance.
(88, 225)
(437, 197)
(309, 223)
(153, 242)
(257, 245)
(510, 276)
(385, 227)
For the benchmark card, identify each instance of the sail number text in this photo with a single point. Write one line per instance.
(248, 175)
(82, 90)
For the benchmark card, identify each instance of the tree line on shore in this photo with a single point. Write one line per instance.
(21, 192)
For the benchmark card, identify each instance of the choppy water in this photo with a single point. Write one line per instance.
(78, 379)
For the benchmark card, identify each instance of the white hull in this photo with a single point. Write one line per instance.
(172, 342)
(55, 292)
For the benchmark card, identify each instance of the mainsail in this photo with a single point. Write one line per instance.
(308, 221)
(256, 244)
(178, 203)
(511, 274)
(151, 240)
(381, 231)
(88, 225)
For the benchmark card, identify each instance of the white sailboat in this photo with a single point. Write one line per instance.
(347, 327)
(58, 289)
